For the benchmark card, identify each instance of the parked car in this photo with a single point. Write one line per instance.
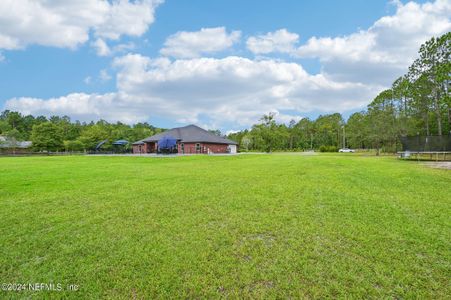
(346, 150)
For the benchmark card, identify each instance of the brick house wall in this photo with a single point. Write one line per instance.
(138, 149)
(144, 148)
(189, 148)
(205, 148)
(217, 148)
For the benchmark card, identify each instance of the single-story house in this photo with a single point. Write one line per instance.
(189, 139)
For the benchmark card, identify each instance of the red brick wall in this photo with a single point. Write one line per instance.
(217, 148)
(145, 148)
(138, 149)
(190, 148)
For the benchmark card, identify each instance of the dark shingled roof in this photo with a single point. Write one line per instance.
(189, 134)
(6, 143)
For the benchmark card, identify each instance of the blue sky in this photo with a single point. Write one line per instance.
(219, 64)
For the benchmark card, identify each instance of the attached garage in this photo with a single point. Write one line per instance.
(232, 148)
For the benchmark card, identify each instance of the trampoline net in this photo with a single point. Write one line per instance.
(430, 143)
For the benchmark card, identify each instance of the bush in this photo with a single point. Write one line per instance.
(328, 149)
(73, 145)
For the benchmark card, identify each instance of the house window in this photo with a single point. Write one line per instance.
(182, 147)
(198, 147)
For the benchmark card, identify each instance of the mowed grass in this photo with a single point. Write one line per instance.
(250, 226)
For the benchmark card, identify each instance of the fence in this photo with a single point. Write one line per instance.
(429, 143)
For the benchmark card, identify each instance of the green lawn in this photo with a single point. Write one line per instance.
(264, 226)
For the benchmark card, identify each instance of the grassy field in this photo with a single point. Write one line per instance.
(260, 226)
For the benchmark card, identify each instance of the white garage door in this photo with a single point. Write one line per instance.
(232, 148)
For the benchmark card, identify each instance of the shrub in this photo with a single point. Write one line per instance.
(328, 149)
(73, 145)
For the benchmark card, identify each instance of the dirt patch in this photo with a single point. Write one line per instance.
(439, 165)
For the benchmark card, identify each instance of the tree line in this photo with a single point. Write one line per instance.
(61, 134)
(418, 103)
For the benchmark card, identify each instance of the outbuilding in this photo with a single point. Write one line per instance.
(190, 139)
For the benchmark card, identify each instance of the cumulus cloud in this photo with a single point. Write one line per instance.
(101, 47)
(127, 18)
(124, 47)
(383, 51)
(278, 41)
(82, 106)
(67, 24)
(231, 90)
(286, 118)
(186, 44)
(375, 55)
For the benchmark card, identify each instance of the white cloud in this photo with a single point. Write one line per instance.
(286, 118)
(186, 44)
(376, 55)
(82, 107)
(278, 41)
(386, 49)
(232, 90)
(101, 48)
(231, 131)
(104, 76)
(125, 17)
(124, 47)
(67, 23)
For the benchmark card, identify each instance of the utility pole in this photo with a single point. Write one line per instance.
(311, 141)
(344, 138)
